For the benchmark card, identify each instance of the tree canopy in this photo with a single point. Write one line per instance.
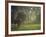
(27, 13)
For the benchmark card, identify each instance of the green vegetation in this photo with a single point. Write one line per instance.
(25, 18)
(27, 27)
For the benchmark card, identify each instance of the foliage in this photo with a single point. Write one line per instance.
(22, 15)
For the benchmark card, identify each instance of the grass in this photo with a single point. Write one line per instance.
(27, 27)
